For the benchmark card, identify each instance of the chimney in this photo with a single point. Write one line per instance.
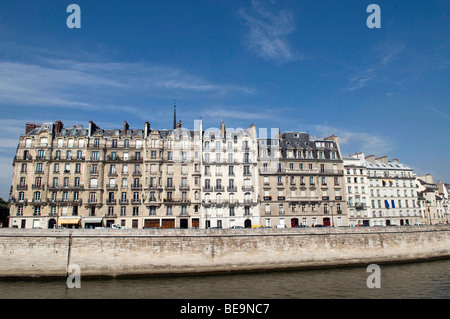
(222, 129)
(198, 128)
(92, 128)
(395, 160)
(252, 131)
(371, 159)
(383, 159)
(31, 126)
(146, 129)
(58, 127)
(125, 127)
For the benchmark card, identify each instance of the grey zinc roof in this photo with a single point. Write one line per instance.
(390, 165)
(74, 131)
(303, 141)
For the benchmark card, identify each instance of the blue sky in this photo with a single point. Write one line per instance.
(309, 66)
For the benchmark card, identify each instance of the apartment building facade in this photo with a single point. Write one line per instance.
(301, 181)
(229, 178)
(432, 204)
(91, 177)
(178, 178)
(393, 193)
(358, 193)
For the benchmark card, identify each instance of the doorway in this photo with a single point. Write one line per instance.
(52, 223)
(294, 222)
(248, 223)
(183, 223)
(326, 222)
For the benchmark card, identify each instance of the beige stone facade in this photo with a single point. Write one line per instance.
(301, 181)
(91, 177)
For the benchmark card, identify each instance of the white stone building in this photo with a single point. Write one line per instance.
(358, 193)
(381, 192)
(229, 178)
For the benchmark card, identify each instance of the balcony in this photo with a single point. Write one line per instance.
(247, 188)
(302, 171)
(123, 201)
(19, 201)
(110, 201)
(22, 187)
(176, 201)
(303, 199)
(219, 189)
(136, 187)
(249, 202)
(331, 172)
(184, 187)
(111, 187)
(232, 189)
(267, 198)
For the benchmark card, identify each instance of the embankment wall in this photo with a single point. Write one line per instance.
(108, 252)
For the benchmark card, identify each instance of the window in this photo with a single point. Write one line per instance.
(93, 183)
(37, 211)
(39, 168)
(110, 211)
(92, 197)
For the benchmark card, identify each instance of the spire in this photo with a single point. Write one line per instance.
(175, 114)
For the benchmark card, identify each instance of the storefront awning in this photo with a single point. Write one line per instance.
(93, 220)
(68, 220)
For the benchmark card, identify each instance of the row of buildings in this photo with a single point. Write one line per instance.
(179, 178)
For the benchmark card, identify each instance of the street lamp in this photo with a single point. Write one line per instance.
(428, 204)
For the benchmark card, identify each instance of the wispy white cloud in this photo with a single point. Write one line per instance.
(385, 55)
(440, 113)
(268, 31)
(220, 112)
(354, 141)
(94, 86)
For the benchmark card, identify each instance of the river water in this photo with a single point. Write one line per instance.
(430, 279)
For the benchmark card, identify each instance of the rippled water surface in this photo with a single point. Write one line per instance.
(429, 279)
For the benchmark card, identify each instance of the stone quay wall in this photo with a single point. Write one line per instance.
(128, 252)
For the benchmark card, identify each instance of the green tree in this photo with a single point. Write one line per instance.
(4, 212)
